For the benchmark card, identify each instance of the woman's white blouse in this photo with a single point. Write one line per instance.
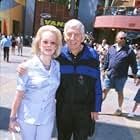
(39, 86)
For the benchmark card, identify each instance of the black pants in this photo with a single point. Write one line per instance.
(6, 54)
(72, 121)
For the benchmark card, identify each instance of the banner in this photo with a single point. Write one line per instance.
(4, 28)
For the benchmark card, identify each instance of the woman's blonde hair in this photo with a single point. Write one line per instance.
(37, 39)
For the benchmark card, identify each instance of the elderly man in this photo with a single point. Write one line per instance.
(79, 95)
(118, 59)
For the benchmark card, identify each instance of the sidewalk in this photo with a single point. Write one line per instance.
(108, 127)
(7, 88)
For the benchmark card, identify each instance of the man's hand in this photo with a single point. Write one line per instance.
(94, 116)
(21, 69)
(103, 73)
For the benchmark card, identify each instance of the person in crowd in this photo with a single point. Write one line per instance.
(79, 96)
(19, 40)
(14, 43)
(0, 36)
(103, 46)
(137, 101)
(5, 44)
(117, 61)
(137, 97)
(34, 106)
(102, 50)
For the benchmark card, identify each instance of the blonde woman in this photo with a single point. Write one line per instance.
(33, 108)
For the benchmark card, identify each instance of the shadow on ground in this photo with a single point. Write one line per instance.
(107, 131)
(103, 131)
(4, 118)
(135, 118)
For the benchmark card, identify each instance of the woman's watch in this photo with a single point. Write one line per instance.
(12, 119)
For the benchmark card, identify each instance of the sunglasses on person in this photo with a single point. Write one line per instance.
(122, 38)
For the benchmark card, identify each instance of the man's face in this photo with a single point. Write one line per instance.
(121, 38)
(74, 38)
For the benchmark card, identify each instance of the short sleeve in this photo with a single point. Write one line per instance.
(22, 82)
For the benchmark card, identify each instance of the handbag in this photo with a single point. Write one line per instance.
(13, 136)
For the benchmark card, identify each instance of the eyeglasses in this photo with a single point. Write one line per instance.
(122, 38)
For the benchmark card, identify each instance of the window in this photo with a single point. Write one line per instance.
(16, 27)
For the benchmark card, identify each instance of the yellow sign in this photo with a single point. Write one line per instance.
(22, 2)
(59, 24)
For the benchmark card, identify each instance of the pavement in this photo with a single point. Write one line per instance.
(108, 127)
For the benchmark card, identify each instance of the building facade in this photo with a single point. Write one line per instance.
(51, 12)
(26, 16)
(116, 15)
(11, 16)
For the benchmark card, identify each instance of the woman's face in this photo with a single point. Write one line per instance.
(48, 43)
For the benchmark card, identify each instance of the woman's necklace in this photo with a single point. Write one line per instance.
(47, 67)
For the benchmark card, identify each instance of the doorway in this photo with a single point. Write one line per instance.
(16, 27)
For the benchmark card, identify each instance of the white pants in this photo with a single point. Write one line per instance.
(36, 132)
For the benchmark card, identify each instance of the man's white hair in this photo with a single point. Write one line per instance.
(76, 24)
(121, 34)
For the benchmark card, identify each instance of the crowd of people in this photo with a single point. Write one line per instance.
(66, 82)
(11, 43)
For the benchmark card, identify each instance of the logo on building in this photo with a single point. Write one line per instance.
(59, 24)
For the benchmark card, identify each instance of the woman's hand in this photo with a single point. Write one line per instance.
(14, 125)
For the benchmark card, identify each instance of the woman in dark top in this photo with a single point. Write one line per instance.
(13, 45)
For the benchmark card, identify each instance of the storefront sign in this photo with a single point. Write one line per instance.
(59, 24)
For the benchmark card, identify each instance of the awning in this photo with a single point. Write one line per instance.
(119, 21)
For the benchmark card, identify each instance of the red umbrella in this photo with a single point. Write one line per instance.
(4, 27)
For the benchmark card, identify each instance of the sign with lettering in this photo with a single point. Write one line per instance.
(131, 24)
(59, 24)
